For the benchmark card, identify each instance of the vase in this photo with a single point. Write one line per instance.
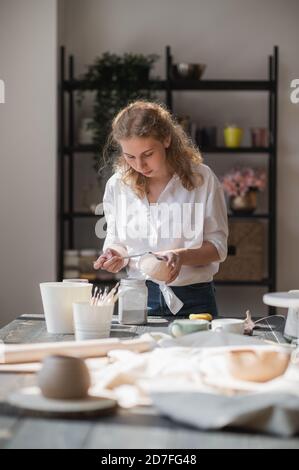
(245, 204)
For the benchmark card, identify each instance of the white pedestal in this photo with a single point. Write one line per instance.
(289, 300)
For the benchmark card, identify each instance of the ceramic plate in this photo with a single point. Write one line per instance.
(31, 399)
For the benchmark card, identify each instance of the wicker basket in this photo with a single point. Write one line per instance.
(246, 252)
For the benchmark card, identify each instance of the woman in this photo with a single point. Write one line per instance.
(159, 168)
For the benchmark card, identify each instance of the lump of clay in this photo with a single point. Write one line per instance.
(64, 378)
(154, 268)
(257, 365)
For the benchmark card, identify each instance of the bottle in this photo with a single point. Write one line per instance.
(132, 303)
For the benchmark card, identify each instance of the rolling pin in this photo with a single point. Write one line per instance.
(22, 353)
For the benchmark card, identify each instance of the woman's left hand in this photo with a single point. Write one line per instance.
(174, 262)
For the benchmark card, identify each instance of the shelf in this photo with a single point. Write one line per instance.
(90, 148)
(249, 216)
(80, 148)
(182, 85)
(264, 282)
(222, 85)
(217, 283)
(236, 150)
(73, 85)
(78, 215)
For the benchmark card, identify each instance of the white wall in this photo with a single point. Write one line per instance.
(234, 39)
(28, 49)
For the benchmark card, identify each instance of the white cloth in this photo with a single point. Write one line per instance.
(135, 226)
(182, 366)
(172, 301)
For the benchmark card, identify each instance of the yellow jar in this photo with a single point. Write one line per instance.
(233, 136)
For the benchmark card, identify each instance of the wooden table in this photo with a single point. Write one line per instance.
(138, 428)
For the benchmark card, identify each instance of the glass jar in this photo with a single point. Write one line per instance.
(71, 263)
(132, 303)
(70, 273)
(87, 258)
(71, 258)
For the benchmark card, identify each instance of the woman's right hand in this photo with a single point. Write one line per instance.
(110, 260)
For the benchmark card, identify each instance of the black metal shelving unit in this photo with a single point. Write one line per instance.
(68, 148)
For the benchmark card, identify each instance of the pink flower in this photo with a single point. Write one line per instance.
(239, 181)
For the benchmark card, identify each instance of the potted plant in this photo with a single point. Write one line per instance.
(117, 80)
(242, 185)
(115, 68)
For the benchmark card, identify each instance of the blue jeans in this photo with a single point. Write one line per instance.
(197, 298)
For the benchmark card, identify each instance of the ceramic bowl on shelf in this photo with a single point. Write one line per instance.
(183, 70)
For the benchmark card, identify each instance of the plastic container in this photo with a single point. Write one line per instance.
(87, 258)
(58, 298)
(92, 321)
(132, 304)
(71, 258)
(71, 264)
(71, 273)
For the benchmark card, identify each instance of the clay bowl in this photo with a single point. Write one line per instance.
(255, 365)
(64, 378)
(154, 268)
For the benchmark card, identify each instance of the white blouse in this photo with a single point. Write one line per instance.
(179, 219)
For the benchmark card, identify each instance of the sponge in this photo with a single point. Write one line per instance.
(200, 316)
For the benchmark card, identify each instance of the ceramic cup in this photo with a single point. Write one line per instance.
(58, 298)
(64, 378)
(185, 327)
(229, 325)
(92, 321)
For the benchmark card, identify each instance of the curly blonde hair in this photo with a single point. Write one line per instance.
(149, 119)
